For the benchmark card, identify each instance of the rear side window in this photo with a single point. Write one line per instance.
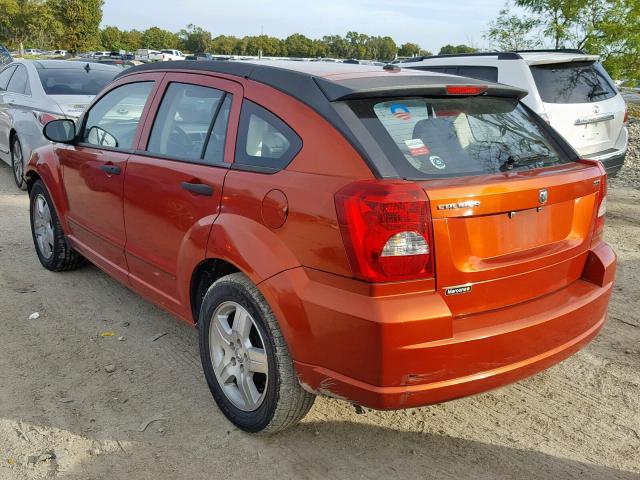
(19, 82)
(574, 82)
(185, 121)
(5, 76)
(113, 120)
(264, 141)
(74, 81)
(428, 138)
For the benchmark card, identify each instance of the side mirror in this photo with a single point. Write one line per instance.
(60, 131)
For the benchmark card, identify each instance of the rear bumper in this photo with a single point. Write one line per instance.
(401, 351)
(612, 161)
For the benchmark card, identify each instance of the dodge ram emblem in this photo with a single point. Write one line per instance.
(543, 196)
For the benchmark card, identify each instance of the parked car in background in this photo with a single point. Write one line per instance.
(452, 243)
(569, 89)
(5, 55)
(33, 92)
(33, 51)
(100, 54)
(171, 55)
(146, 55)
(203, 56)
(58, 53)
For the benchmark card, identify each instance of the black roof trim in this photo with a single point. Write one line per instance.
(554, 50)
(406, 86)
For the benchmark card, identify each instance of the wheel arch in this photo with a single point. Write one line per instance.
(203, 276)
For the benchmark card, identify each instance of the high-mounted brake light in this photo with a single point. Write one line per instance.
(386, 228)
(466, 89)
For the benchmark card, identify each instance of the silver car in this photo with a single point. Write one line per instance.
(34, 92)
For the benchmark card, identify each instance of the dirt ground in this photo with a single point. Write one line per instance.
(62, 415)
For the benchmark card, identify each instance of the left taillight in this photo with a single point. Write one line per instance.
(386, 228)
(44, 117)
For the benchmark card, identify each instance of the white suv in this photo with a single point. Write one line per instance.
(569, 89)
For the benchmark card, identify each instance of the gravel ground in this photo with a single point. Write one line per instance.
(629, 175)
(103, 385)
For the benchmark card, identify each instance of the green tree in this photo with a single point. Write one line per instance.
(265, 45)
(131, 40)
(512, 32)
(28, 22)
(336, 46)
(558, 16)
(195, 39)
(357, 44)
(453, 49)
(381, 48)
(156, 38)
(111, 38)
(80, 21)
(409, 50)
(298, 45)
(224, 45)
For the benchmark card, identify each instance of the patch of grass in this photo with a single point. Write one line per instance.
(634, 110)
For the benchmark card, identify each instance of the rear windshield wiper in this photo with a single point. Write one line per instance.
(597, 93)
(519, 161)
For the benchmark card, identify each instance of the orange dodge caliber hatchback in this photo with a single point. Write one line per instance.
(388, 237)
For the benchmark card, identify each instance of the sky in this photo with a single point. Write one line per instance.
(428, 23)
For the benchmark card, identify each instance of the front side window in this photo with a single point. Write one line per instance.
(19, 82)
(185, 123)
(113, 120)
(428, 138)
(573, 82)
(264, 141)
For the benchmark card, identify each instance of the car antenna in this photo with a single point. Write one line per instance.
(87, 68)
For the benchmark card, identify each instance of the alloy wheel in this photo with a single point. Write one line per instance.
(238, 356)
(16, 160)
(43, 226)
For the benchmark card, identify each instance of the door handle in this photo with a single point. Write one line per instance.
(198, 188)
(111, 169)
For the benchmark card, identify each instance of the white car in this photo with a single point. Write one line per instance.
(168, 55)
(34, 92)
(568, 88)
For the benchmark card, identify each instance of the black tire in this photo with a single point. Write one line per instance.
(62, 257)
(284, 402)
(17, 163)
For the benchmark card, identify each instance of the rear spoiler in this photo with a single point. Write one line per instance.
(408, 86)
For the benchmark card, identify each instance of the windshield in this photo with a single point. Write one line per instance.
(74, 81)
(428, 138)
(575, 82)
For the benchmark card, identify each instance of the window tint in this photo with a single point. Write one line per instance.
(217, 140)
(74, 81)
(454, 137)
(264, 141)
(184, 121)
(5, 76)
(112, 122)
(18, 82)
(575, 82)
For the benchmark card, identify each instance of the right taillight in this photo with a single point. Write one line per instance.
(386, 228)
(626, 115)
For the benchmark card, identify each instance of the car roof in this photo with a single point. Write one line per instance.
(65, 64)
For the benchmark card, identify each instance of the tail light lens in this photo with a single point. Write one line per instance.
(598, 228)
(386, 228)
(626, 115)
(466, 89)
(44, 117)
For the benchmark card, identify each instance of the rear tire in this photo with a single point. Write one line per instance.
(276, 399)
(52, 248)
(17, 163)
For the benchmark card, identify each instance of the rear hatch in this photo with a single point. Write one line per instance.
(512, 210)
(582, 104)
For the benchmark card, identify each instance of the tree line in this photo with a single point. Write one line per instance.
(609, 28)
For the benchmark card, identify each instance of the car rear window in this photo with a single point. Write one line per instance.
(427, 138)
(574, 82)
(74, 81)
